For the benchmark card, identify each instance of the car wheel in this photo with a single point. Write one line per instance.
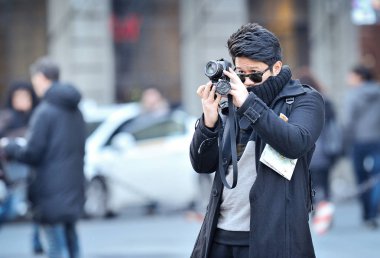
(96, 199)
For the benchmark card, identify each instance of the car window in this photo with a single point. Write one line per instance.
(161, 129)
(91, 126)
(146, 127)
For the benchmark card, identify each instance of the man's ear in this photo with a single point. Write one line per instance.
(277, 67)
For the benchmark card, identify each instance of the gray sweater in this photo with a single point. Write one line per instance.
(235, 207)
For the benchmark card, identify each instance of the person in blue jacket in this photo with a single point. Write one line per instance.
(55, 149)
(266, 215)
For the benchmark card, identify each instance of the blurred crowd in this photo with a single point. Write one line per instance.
(355, 135)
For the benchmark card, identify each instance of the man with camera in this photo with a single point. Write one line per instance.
(262, 144)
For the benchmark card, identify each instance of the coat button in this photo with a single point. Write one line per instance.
(225, 161)
(214, 192)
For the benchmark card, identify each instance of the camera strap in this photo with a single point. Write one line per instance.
(232, 133)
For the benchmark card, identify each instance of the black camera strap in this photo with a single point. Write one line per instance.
(232, 133)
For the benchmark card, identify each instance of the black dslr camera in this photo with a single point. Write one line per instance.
(214, 71)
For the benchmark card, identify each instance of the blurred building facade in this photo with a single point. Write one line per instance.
(74, 33)
(146, 47)
(114, 49)
(22, 38)
(80, 40)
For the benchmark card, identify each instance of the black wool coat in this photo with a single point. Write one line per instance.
(279, 208)
(55, 150)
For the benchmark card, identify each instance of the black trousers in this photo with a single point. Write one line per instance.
(228, 251)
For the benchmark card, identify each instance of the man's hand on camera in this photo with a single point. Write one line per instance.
(238, 91)
(209, 103)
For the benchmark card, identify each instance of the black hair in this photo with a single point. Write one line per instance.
(255, 42)
(20, 85)
(364, 72)
(47, 67)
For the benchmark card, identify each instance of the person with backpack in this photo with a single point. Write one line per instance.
(274, 121)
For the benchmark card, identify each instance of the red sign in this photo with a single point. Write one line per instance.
(126, 29)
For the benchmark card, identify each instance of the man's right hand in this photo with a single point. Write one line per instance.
(210, 104)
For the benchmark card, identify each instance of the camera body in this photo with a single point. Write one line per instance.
(214, 71)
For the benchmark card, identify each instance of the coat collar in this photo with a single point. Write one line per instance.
(292, 89)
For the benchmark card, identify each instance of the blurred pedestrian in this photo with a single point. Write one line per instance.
(277, 123)
(154, 103)
(362, 135)
(154, 106)
(21, 101)
(328, 148)
(55, 148)
(14, 118)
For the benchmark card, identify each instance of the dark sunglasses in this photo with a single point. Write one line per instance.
(255, 77)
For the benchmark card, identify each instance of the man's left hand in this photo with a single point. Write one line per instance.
(238, 91)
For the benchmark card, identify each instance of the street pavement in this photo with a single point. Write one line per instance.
(172, 235)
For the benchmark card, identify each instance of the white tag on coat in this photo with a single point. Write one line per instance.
(282, 165)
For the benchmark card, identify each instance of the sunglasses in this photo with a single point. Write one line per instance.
(255, 77)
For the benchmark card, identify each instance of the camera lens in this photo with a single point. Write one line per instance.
(213, 69)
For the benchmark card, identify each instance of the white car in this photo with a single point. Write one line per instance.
(136, 160)
(94, 114)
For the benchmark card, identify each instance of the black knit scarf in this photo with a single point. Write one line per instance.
(268, 90)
